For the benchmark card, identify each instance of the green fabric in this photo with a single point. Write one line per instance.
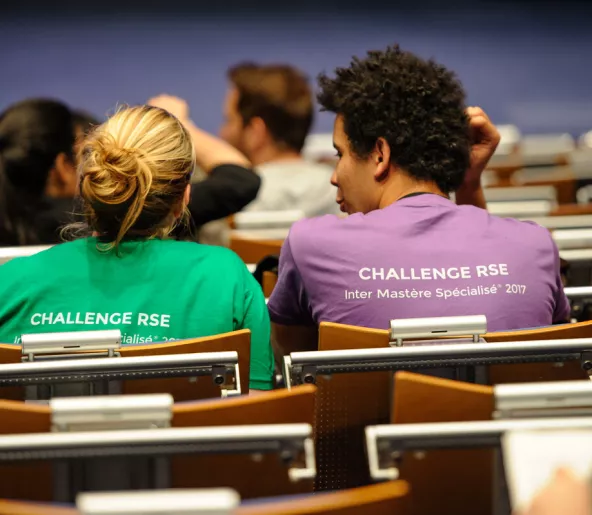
(152, 290)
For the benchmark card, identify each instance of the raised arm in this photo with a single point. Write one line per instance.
(210, 151)
(485, 139)
(231, 183)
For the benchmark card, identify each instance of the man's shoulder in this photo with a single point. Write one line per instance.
(320, 232)
(521, 230)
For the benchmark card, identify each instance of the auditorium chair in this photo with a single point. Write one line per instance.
(181, 388)
(250, 476)
(254, 250)
(269, 281)
(31, 480)
(347, 403)
(391, 498)
(445, 481)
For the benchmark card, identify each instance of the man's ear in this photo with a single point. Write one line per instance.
(62, 169)
(257, 132)
(382, 159)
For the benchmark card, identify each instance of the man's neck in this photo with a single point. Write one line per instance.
(405, 188)
(273, 154)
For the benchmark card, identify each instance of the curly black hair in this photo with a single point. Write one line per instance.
(417, 106)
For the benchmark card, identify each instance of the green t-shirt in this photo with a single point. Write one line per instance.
(153, 291)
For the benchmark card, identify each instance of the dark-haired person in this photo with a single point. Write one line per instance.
(268, 113)
(405, 140)
(125, 272)
(37, 171)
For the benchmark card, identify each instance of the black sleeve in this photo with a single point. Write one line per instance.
(226, 190)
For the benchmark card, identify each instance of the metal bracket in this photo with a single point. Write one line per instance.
(586, 361)
(116, 412)
(305, 374)
(429, 328)
(220, 377)
(309, 470)
(380, 469)
(79, 344)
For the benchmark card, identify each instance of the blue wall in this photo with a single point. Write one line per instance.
(527, 64)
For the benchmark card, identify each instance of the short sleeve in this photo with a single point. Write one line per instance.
(289, 304)
(256, 319)
(562, 310)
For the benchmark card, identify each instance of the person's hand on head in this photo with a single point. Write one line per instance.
(565, 494)
(174, 105)
(484, 140)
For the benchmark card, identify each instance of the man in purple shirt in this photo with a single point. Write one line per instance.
(405, 140)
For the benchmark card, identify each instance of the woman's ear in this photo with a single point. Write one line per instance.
(382, 159)
(62, 179)
(187, 195)
(178, 212)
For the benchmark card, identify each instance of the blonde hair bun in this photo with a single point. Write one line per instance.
(133, 173)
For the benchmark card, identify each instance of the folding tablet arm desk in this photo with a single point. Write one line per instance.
(118, 457)
(303, 367)
(51, 368)
(518, 407)
(385, 443)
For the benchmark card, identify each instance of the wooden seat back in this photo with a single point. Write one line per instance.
(183, 388)
(384, 499)
(445, 481)
(252, 250)
(347, 403)
(31, 480)
(250, 477)
(539, 372)
(269, 281)
(10, 353)
(391, 498)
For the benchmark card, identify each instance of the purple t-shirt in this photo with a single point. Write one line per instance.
(422, 256)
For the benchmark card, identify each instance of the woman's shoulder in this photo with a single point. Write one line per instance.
(18, 257)
(188, 250)
(36, 264)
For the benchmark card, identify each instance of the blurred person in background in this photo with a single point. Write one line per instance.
(37, 171)
(124, 271)
(268, 112)
(230, 182)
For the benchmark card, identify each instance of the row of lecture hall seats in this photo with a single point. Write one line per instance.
(552, 160)
(326, 435)
(372, 422)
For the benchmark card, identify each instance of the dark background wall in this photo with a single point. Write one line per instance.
(527, 63)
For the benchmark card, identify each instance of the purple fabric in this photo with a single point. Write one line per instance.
(423, 256)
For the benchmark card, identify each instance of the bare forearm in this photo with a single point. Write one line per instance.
(211, 151)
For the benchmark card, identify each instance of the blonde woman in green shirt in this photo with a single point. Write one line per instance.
(125, 273)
